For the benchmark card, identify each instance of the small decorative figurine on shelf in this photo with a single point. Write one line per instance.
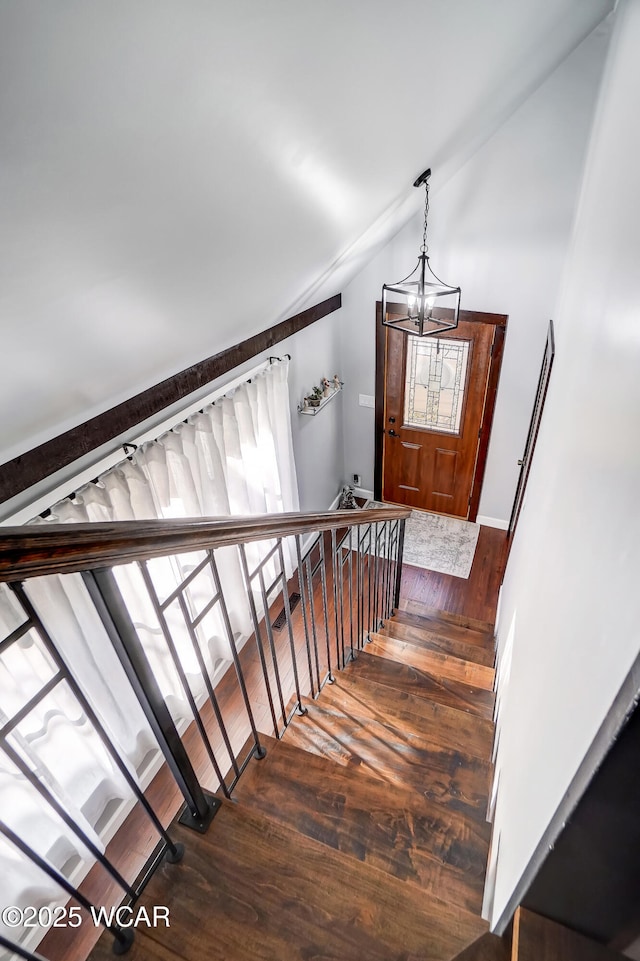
(315, 397)
(319, 396)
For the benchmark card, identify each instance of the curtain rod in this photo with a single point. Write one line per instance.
(127, 445)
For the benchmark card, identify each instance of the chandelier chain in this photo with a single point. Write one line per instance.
(425, 246)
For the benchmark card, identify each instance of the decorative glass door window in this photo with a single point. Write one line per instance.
(435, 379)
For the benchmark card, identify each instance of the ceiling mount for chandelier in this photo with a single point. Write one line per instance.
(421, 304)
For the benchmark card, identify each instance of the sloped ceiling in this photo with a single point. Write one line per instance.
(179, 174)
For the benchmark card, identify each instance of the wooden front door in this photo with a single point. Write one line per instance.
(438, 397)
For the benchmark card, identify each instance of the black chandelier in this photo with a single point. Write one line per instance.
(421, 304)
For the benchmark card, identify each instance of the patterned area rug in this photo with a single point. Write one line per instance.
(437, 543)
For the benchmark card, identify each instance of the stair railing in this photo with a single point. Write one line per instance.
(332, 591)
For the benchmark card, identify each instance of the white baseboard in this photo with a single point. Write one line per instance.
(336, 500)
(492, 522)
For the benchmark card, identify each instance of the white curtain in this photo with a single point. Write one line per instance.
(233, 458)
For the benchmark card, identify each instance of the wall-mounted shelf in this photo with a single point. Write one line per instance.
(312, 411)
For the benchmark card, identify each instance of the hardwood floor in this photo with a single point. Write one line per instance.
(358, 815)
(363, 832)
(476, 596)
(361, 835)
(434, 716)
(253, 889)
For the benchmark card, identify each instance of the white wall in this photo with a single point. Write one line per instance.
(317, 441)
(177, 174)
(573, 571)
(500, 230)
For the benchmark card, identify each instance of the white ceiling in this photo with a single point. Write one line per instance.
(176, 175)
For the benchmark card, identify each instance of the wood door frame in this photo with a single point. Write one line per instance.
(499, 321)
(534, 427)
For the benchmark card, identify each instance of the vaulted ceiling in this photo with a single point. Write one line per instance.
(176, 175)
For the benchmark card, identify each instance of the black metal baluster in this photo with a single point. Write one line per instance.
(312, 604)
(305, 622)
(360, 584)
(209, 686)
(259, 750)
(350, 564)
(52, 801)
(123, 937)
(325, 605)
(292, 644)
(270, 638)
(399, 555)
(338, 620)
(177, 663)
(115, 617)
(380, 578)
(384, 572)
(392, 575)
(258, 637)
(341, 566)
(390, 555)
(394, 567)
(376, 576)
(370, 566)
(382, 544)
(385, 581)
(174, 852)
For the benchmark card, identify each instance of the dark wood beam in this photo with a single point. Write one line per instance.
(34, 465)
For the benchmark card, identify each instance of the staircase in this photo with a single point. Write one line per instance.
(362, 834)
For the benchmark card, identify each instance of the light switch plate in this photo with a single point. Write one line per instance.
(366, 400)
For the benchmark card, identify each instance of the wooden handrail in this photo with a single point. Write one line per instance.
(32, 551)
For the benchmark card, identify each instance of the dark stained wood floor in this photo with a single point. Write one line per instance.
(363, 833)
(476, 596)
(442, 852)
(456, 656)
(253, 889)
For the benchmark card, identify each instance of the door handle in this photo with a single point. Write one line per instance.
(392, 433)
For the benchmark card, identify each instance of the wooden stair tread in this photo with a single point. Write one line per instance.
(446, 617)
(434, 662)
(432, 624)
(253, 889)
(434, 640)
(404, 677)
(391, 754)
(538, 939)
(397, 831)
(486, 948)
(446, 726)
